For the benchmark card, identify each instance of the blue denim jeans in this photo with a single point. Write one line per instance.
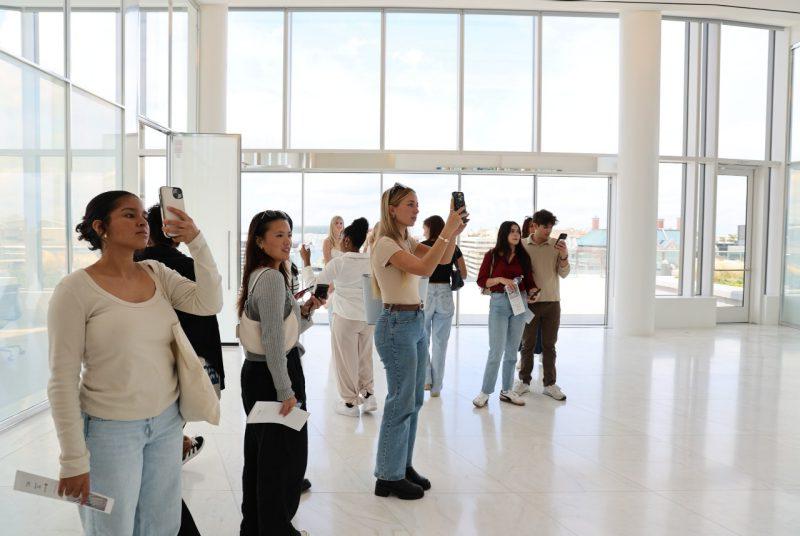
(505, 333)
(439, 311)
(403, 349)
(138, 464)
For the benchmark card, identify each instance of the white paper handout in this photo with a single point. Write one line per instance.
(268, 412)
(515, 297)
(47, 487)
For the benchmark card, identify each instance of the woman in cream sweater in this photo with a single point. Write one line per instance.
(113, 386)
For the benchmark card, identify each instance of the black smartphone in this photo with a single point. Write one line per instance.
(321, 292)
(458, 202)
(561, 237)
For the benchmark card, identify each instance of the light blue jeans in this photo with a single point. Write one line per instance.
(138, 464)
(505, 332)
(403, 349)
(439, 311)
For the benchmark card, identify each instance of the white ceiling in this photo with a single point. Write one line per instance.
(771, 12)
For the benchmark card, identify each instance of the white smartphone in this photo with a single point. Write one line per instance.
(170, 196)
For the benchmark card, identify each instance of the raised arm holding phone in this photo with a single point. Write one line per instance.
(397, 262)
(113, 387)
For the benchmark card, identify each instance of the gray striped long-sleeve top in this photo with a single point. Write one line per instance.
(270, 302)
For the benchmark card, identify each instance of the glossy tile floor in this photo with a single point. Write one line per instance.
(686, 433)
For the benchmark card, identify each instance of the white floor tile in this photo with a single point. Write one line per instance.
(685, 433)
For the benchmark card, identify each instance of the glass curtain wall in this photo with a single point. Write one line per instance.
(167, 84)
(482, 82)
(790, 309)
(60, 144)
(580, 203)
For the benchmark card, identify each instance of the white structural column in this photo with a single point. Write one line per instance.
(213, 68)
(637, 183)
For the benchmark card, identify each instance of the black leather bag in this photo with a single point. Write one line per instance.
(456, 281)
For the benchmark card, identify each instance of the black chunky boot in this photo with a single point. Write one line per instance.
(418, 479)
(403, 489)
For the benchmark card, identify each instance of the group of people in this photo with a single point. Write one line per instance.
(114, 389)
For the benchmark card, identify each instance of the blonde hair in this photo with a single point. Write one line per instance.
(336, 242)
(387, 226)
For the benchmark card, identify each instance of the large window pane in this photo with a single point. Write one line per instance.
(421, 81)
(673, 86)
(791, 274)
(743, 81)
(154, 175)
(669, 229)
(581, 206)
(96, 160)
(11, 30)
(490, 199)
(32, 227)
(498, 82)
(336, 66)
(273, 191)
(182, 25)
(49, 31)
(349, 195)
(580, 84)
(434, 192)
(795, 124)
(155, 65)
(255, 78)
(730, 240)
(95, 50)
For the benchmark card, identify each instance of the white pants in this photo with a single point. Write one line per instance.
(352, 354)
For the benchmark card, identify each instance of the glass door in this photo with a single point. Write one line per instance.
(732, 224)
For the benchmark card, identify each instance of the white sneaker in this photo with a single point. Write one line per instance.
(370, 404)
(554, 391)
(481, 400)
(521, 388)
(511, 397)
(349, 411)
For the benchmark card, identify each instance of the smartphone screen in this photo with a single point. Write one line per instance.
(458, 200)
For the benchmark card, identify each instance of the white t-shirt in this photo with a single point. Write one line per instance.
(346, 273)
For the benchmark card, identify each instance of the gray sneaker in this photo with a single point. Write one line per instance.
(554, 391)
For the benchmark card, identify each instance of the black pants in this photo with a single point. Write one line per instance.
(188, 526)
(275, 456)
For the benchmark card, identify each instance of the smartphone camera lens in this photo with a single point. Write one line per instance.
(177, 193)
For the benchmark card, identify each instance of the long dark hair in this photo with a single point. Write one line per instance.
(255, 257)
(154, 221)
(435, 225)
(526, 227)
(503, 248)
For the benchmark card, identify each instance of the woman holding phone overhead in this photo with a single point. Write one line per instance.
(113, 385)
(397, 262)
(275, 456)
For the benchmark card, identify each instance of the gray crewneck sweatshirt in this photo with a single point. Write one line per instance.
(270, 302)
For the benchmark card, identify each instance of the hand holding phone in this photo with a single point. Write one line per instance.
(458, 203)
(321, 292)
(170, 197)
